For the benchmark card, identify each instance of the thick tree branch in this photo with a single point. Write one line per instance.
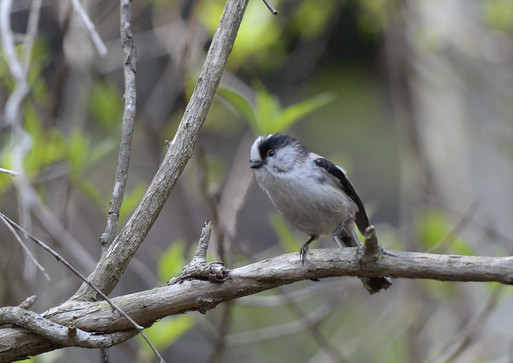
(114, 262)
(202, 295)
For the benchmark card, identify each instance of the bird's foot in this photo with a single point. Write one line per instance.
(303, 252)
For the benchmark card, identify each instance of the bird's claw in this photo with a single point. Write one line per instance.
(303, 252)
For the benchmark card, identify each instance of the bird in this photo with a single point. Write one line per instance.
(312, 193)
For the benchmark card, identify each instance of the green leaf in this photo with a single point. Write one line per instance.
(435, 230)
(268, 116)
(77, 152)
(91, 191)
(130, 201)
(294, 113)
(106, 104)
(163, 333)
(267, 109)
(171, 262)
(239, 103)
(286, 237)
(82, 156)
(48, 146)
(99, 151)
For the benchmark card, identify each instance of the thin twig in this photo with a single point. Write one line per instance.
(93, 34)
(201, 251)
(371, 248)
(83, 278)
(199, 267)
(127, 129)
(212, 200)
(313, 326)
(28, 42)
(287, 329)
(12, 106)
(28, 302)
(270, 7)
(10, 172)
(25, 248)
(452, 351)
(466, 218)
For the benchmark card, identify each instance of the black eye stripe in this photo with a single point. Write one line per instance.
(275, 142)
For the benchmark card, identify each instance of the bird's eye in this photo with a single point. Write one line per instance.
(270, 152)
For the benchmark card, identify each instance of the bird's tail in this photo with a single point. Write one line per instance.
(372, 284)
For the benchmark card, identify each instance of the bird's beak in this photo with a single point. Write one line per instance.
(256, 164)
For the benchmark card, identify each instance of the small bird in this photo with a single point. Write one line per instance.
(312, 193)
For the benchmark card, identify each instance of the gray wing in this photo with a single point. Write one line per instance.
(361, 219)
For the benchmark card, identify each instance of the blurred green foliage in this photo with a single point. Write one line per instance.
(286, 238)
(311, 17)
(164, 333)
(436, 232)
(171, 261)
(106, 105)
(267, 116)
(258, 37)
(499, 14)
(355, 131)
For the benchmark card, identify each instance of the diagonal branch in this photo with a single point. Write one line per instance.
(114, 262)
(88, 24)
(146, 307)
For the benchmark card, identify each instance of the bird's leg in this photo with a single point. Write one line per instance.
(338, 231)
(304, 248)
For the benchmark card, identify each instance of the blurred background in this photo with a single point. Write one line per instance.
(413, 98)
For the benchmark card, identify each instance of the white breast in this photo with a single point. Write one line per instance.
(313, 203)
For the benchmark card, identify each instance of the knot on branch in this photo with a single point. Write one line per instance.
(202, 270)
(205, 305)
(372, 250)
(199, 268)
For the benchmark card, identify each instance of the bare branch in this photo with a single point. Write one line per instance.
(60, 335)
(10, 172)
(93, 34)
(133, 324)
(202, 295)
(270, 7)
(305, 321)
(372, 249)
(71, 268)
(201, 251)
(107, 273)
(28, 302)
(12, 113)
(199, 267)
(468, 334)
(24, 247)
(28, 42)
(127, 129)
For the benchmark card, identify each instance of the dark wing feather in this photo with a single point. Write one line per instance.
(361, 219)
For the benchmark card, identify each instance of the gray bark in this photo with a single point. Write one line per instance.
(200, 294)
